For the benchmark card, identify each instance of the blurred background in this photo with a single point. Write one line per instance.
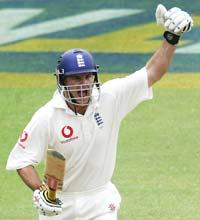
(157, 170)
(34, 33)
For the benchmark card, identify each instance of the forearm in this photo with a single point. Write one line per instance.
(158, 64)
(41, 201)
(30, 177)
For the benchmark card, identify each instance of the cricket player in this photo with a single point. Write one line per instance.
(82, 122)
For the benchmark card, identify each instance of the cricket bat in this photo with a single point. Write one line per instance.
(54, 172)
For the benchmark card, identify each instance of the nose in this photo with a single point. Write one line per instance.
(85, 80)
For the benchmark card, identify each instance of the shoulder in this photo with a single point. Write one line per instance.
(43, 114)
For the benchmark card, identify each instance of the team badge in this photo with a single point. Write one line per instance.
(80, 60)
(98, 119)
(112, 207)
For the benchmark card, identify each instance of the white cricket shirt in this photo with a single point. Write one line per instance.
(88, 141)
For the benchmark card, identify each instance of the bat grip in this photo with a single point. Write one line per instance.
(53, 185)
(52, 194)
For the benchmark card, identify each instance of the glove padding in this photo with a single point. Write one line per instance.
(44, 205)
(174, 20)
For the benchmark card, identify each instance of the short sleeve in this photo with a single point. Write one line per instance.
(30, 147)
(129, 91)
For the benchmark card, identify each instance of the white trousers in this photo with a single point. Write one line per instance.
(107, 216)
(99, 204)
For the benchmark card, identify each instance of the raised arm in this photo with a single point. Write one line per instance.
(175, 22)
(158, 65)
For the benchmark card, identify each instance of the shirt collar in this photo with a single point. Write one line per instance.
(59, 102)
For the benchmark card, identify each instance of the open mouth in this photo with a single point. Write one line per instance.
(80, 94)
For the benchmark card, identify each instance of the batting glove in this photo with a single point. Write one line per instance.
(175, 22)
(44, 205)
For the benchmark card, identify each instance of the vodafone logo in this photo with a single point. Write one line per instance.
(24, 136)
(67, 131)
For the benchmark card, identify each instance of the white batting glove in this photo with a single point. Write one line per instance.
(44, 205)
(160, 14)
(175, 21)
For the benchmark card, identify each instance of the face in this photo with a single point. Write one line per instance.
(79, 88)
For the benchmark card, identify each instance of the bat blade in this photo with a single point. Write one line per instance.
(54, 172)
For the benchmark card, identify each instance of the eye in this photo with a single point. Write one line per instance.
(89, 76)
(77, 78)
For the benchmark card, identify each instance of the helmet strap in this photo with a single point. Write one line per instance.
(96, 81)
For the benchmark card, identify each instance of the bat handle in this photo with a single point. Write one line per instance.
(52, 194)
(53, 185)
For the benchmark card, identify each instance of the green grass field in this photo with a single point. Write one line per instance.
(157, 169)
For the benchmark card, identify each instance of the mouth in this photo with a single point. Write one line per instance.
(78, 94)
